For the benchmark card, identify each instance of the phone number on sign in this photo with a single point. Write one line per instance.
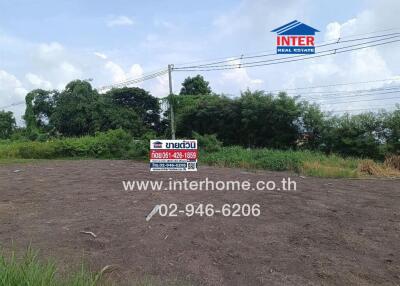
(209, 210)
(172, 154)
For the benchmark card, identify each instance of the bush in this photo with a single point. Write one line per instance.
(111, 144)
(208, 143)
(304, 162)
(254, 158)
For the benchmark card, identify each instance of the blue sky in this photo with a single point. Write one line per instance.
(45, 44)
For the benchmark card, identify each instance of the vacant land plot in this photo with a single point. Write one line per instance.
(328, 232)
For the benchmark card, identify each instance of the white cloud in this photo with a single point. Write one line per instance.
(118, 74)
(164, 24)
(37, 81)
(100, 55)
(120, 21)
(12, 91)
(135, 71)
(161, 87)
(238, 78)
(49, 52)
(70, 71)
(116, 71)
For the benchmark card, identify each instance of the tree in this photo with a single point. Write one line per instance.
(391, 127)
(268, 121)
(195, 86)
(81, 110)
(76, 109)
(312, 124)
(256, 119)
(354, 135)
(7, 124)
(141, 101)
(39, 108)
(207, 114)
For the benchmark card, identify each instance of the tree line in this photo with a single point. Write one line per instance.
(255, 119)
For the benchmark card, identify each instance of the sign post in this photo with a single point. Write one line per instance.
(173, 155)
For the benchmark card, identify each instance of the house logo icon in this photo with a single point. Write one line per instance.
(157, 144)
(295, 38)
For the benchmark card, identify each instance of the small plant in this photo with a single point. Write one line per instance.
(29, 271)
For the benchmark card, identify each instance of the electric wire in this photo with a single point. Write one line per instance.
(337, 40)
(292, 58)
(242, 57)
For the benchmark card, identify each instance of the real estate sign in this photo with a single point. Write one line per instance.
(173, 155)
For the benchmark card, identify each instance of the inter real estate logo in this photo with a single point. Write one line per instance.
(295, 38)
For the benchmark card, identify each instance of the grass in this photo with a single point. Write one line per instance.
(28, 270)
(304, 162)
(117, 144)
(371, 168)
(108, 145)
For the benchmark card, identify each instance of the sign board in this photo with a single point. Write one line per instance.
(173, 155)
(295, 38)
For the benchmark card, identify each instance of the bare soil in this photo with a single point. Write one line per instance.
(328, 232)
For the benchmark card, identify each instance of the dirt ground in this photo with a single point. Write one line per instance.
(328, 232)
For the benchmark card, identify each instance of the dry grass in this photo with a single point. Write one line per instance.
(369, 167)
(393, 162)
(319, 169)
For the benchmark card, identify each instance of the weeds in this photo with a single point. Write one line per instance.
(304, 162)
(372, 168)
(112, 144)
(29, 271)
(118, 144)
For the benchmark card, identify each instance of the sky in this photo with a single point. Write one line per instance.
(45, 44)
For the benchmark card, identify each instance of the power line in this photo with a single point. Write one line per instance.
(363, 100)
(13, 104)
(339, 39)
(335, 84)
(350, 95)
(383, 108)
(135, 80)
(340, 92)
(292, 58)
(242, 57)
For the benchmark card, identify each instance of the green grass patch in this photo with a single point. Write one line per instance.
(117, 144)
(304, 162)
(29, 271)
(109, 145)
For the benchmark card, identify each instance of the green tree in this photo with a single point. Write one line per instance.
(268, 121)
(39, 108)
(354, 135)
(312, 124)
(256, 119)
(76, 109)
(391, 128)
(140, 101)
(7, 124)
(195, 86)
(207, 114)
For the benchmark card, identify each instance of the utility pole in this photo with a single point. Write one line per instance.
(171, 102)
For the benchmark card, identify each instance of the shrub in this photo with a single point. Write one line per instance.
(393, 161)
(111, 144)
(208, 142)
